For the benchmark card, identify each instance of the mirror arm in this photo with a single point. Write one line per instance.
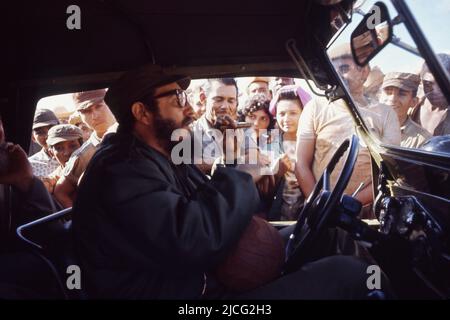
(399, 43)
(397, 20)
(302, 67)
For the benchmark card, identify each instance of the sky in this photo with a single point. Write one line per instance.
(434, 19)
(432, 16)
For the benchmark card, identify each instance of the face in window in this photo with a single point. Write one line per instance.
(353, 75)
(288, 113)
(260, 120)
(259, 87)
(221, 100)
(85, 129)
(399, 99)
(432, 90)
(40, 135)
(63, 150)
(280, 82)
(98, 117)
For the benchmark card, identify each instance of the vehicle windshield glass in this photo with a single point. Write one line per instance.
(395, 91)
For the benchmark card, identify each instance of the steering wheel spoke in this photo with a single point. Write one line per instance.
(326, 180)
(320, 206)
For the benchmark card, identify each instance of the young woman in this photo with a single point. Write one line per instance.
(256, 111)
(289, 107)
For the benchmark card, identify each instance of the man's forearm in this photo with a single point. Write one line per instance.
(365, 196)
(305, 179)
(64, 192)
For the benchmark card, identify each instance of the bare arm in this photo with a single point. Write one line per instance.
(303, 166)
(365, 196)
(65, 192)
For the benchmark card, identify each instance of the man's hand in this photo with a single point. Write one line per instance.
(229, 142)
(15, 169)
(282, 165)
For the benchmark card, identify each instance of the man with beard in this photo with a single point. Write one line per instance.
(146, 228)
(432, 113)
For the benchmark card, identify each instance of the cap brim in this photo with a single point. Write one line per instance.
(397, 84)
(44, 124)
(53, 141)
(88, 103)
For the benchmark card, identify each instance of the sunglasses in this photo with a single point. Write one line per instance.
(181, 96)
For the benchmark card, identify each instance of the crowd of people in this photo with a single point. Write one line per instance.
(292, 135)
(114, 156)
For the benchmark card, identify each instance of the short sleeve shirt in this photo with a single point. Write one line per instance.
(413, 135)
(330, 124)
(42, 164)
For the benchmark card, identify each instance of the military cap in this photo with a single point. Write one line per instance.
(43, 118)
(85, 99)
(402, 80)
(63, 132)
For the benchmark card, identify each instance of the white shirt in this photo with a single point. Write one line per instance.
(43, 165)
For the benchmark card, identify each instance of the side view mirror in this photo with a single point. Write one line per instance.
(372, 34)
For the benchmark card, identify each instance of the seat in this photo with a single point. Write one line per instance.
(51, 239)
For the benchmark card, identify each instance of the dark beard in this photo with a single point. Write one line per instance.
(164, 129)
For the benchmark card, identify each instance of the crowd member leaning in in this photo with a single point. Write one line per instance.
(289, 200)
(221, 106)
(96, 114)
(259, 85)
(432, 112)
(62, 141)
(75, 119)
(399, 90)
(256, 112)
(42, 162)
(325, 125)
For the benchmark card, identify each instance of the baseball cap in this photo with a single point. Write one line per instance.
(402, 80)
(43, 118)
(136, 84)
(63, 132)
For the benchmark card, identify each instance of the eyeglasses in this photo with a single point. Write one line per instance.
(181, 96)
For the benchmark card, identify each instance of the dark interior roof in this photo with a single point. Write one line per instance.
(201, 37)
(117, 35)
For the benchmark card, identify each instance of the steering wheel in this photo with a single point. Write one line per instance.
(319, 209)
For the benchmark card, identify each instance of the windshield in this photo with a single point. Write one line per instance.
(396, 94)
